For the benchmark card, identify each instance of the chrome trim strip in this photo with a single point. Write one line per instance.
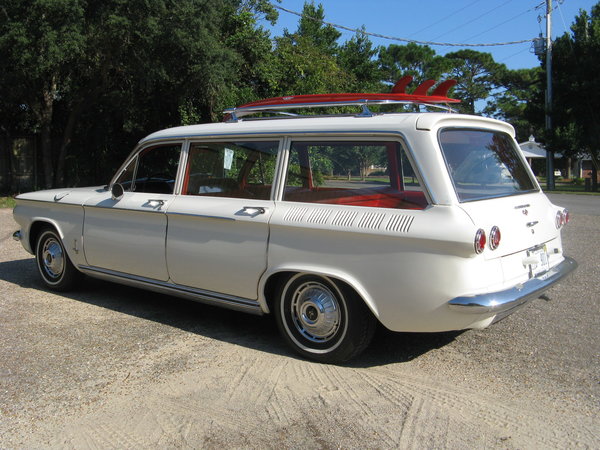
(17, 235)
(199, 295)
(503, 301)
(153, 210)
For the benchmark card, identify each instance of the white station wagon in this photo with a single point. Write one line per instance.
(421, 221)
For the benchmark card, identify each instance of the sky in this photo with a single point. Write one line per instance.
(449, 21)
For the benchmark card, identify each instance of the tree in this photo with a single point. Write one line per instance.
(420, 61)
(305, 62)
(477, 74)
(115, 70)
(517, 101)
(311, 27)
(576, 63)
(356, 58)
(41, 44)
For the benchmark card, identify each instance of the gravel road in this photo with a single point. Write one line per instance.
(115, 367)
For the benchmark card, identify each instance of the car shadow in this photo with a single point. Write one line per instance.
(257, 332)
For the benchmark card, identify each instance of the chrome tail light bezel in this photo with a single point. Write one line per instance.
(495, 237)
(480, 241)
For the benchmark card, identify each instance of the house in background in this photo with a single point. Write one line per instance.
(536, 153)
(585, 168)
(570, 168)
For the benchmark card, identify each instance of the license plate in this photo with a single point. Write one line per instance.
(541, 264)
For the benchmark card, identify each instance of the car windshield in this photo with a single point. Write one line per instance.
(484, 164)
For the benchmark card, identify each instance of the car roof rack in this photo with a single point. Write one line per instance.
(437, 99)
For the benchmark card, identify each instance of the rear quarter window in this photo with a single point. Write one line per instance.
(484, 164)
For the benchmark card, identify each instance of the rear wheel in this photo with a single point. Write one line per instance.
(54, 265)
(323, 320)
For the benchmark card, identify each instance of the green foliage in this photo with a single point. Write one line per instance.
(576, 64)
(311, 28)
(304, 62)
(89, 79)
(420, 61)
(7, 202)
(477, 74)
(517, 101)
(356, 58)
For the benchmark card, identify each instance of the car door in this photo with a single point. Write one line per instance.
(219, 226)
(127, 235)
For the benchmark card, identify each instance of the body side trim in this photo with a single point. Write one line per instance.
(199, 295)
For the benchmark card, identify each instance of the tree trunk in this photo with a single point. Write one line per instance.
(45, 118)
(59, 176)
(595, 167)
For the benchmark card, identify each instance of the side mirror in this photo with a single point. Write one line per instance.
(117, 191)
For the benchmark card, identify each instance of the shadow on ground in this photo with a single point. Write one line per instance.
(256, 332)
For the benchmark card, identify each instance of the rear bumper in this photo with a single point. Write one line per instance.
(503, 302)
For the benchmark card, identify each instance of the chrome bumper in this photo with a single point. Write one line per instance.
(504, 301)
(17, 235)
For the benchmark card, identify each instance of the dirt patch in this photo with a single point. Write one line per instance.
(115, 367)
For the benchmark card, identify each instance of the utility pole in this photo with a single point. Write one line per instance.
(549, 154)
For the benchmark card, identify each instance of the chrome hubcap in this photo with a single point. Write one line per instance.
(315, 312)
(53, 261)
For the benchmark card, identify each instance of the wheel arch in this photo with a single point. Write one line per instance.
(271, 279)
(37, 225)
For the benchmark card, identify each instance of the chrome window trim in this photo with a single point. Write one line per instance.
(143, 146)
(383, 136)
(232, 139)
(516, 148)
(287, 136)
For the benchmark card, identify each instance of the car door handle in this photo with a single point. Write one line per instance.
(156, 202)
(254, 210)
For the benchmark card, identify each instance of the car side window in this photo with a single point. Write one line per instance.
(231, 169)
(353, 173)
(153, 170)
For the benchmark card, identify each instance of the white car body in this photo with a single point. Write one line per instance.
(415, 269)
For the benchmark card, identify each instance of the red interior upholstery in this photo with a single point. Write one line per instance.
(378, 198)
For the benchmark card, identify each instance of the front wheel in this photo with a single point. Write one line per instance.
(323, 320)
(54, 265)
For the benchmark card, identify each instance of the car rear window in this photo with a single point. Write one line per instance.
(484, 164)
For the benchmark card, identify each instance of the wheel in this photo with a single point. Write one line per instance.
(321, 319)
(54, 265)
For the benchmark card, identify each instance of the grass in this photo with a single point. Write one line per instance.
(7, 202)
(565, 187)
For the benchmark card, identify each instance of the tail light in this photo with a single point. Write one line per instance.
(560, 219)
(480, 241)
(495, 237)
(566, 216)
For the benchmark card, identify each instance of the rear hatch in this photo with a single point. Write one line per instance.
(524, 221)
(496, 189)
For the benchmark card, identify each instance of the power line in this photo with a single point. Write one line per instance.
(443, 19)
(500, 24)
(473, 20)
(513, 55)
(393, 38)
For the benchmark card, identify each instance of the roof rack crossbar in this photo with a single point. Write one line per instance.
(239, 112)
